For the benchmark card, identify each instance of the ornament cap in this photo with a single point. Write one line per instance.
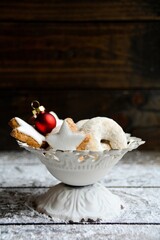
(37, 108)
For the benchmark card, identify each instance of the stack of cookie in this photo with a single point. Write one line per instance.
(96, 134)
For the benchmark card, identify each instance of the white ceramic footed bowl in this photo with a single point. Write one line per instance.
(81, 168)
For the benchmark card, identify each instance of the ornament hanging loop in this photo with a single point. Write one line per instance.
(35, 104)
(36, 108)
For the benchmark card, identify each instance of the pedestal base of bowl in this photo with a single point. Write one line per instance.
(88, 203)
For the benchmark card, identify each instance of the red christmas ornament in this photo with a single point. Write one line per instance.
(44, 121)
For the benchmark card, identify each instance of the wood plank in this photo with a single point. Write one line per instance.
(141, 206)
(79, 55)
(23, 169)
(139, 219)
(78, 10)
(151, 135)
(72, 232)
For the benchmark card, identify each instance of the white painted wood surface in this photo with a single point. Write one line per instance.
(136, 179)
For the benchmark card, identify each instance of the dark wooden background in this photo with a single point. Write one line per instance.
(82, 59)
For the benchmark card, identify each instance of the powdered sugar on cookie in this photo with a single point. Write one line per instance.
(58, 123)
(96, 134)
(68, 138)
(106, 134)
(24, 132)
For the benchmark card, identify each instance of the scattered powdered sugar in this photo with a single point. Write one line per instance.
(22, 168)
(140, 205)
(140, 170)
(80, 232)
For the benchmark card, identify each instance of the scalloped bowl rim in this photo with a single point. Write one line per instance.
(66, 167)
